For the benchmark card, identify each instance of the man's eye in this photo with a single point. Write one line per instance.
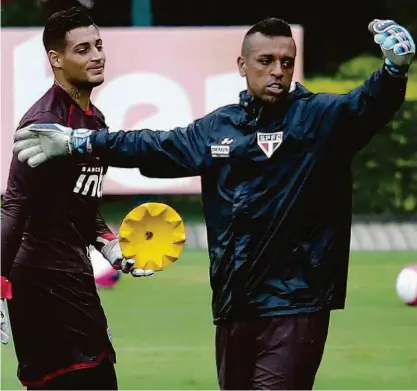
(99, 47)
(264, 61)
(82, 51)
(287, 64)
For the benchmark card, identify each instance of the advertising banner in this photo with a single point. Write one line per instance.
(156, 78)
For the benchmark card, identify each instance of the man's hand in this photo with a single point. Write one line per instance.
(112, 252)
(38, 143)
(396, 43)
(5, 327)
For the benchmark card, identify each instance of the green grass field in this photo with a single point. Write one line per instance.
(163, 332)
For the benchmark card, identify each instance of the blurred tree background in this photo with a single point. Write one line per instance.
(329, 40)
(339, 54)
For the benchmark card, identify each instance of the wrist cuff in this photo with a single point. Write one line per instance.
(396, 70)
(103, 239)
(80, 141)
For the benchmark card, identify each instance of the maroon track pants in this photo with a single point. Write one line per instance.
(275, 353)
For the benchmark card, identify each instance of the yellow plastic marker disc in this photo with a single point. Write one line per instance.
(153, 234)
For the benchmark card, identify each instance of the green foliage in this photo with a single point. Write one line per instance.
(358, 67)
(385, 172)
(21, 13)
(336, 86)
(403, 12)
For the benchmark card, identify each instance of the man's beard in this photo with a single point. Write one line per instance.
(275, 100)
(271, 100)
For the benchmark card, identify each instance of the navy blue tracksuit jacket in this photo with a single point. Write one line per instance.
(276, 190)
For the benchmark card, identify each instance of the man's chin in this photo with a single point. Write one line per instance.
(275, 98)
(91, 83)
(96, 81)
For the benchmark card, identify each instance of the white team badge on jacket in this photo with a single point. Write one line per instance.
(269, 142)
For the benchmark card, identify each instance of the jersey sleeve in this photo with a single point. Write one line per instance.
(23, 188)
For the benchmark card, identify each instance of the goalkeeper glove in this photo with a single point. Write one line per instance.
(111, 251)
(396, 44)
(38, 143)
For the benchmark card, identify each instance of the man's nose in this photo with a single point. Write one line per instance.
(277, 70)
(97, 55)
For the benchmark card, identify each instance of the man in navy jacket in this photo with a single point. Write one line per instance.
(277, 193)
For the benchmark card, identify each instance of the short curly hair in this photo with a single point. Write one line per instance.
(60, 23)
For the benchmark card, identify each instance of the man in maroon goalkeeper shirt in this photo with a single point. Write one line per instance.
(49, 218)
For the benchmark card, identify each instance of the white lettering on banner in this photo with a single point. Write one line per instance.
(221, 90)
(120, 94)
(174, 110)
(30, 76)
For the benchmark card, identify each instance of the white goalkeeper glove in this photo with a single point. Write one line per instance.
(38, 143)
(112, 252)
(396, 44)
(5, 326)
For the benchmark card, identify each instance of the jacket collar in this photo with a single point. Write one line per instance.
(247, 100)
(254, 107)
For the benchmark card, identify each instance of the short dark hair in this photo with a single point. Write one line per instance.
(60, 23)
(271, 27)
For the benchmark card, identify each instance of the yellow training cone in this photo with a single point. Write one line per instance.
(153, 234)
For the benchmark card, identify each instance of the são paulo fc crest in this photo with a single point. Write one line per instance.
(269, 142)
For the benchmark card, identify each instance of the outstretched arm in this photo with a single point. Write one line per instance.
(176, 153)
(164, 154)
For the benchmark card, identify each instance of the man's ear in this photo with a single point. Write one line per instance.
(55, 59)
(241, 64)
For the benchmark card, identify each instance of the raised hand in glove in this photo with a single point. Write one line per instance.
(396, 43)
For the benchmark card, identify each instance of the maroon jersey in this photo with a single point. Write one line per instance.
(50, 215)
(54, 206)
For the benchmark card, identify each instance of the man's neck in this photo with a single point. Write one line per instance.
(80, 96)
